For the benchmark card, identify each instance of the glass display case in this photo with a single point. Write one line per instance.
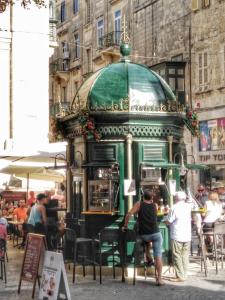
(102, 195)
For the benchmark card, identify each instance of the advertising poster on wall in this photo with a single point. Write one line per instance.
(213, 135)
(204, 136)
(221, 133)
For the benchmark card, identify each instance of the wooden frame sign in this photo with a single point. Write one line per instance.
(35, 244)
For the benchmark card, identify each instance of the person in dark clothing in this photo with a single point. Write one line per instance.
(148, 229)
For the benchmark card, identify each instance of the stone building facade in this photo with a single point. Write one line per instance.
(166, 35)
(208, 86)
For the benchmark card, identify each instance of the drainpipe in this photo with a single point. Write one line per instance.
(129, 167)
(170, 141)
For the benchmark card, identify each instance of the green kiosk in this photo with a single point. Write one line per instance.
(125, 134)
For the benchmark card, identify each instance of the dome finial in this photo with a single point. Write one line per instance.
(125, 48)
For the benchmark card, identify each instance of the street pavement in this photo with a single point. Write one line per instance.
(196, 287)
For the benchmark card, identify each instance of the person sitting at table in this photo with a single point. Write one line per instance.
(214, 211)
(37, 217)
(21, 211)
(149, 229)
(3, 220)
(3, 230)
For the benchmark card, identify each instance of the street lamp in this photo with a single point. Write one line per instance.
(60, 156)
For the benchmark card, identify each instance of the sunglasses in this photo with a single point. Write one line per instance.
(201, 190)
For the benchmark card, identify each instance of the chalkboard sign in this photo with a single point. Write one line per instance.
(31, 260)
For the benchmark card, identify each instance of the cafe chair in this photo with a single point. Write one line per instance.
(108, 250)
(202, 252)
(134, 256)
(79, 251)
(218, 243)
(3, 260)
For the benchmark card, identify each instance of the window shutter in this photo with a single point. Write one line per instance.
(194, 5)
(200, 75)
(205, 67)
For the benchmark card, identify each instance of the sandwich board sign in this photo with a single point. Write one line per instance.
(54, 284)
(35, 246)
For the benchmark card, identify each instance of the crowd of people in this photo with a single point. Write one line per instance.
(180, 219)
(208, 205)
(30, 216)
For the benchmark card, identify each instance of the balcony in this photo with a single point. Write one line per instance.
(59, 65)
(59, 108)
(110, 40)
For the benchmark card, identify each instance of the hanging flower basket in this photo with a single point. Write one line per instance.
(192, 122)
(56, 132)
(87, 124)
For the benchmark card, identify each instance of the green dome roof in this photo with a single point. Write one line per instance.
(123, 86)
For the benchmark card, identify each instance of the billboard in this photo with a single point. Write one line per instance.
(212, 135)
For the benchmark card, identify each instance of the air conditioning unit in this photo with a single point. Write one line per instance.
(66, 54)
(195, 5)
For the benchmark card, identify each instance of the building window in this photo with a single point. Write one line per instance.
(100, 32)
(205, 3)
(75, 6)
(63, 96)
(203, 70)
(77, 46)
(51, 10)
(88, 10)
(65, 65)
(117, 23)
(65, 49)
(76, 84)
(88, 60)
(63, 11)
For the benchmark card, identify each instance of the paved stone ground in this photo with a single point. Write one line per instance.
(197, 287)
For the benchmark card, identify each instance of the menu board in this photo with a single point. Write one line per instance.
(31, 260)
(32, 257)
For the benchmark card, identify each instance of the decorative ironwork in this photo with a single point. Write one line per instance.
(142, 131)
(110, 39)
(169, 106)
(124, 39)
(123, 105)
(59, 109)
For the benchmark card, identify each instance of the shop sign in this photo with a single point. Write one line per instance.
(212, 158)
(54, 283)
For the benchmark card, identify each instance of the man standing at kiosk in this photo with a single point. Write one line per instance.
(179, 219)
(148, 229)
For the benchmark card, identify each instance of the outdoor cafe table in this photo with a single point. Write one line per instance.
(16, 225)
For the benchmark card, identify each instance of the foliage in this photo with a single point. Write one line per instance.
(87, 124)
(24, 3)
(192, 121)
(56, 132)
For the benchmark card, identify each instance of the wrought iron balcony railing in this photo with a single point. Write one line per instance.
(59, 107)
(60, 65)
(110, 39)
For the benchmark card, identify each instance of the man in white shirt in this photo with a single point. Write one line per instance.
(179, 219)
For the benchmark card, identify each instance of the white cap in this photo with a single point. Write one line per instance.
(180, 195)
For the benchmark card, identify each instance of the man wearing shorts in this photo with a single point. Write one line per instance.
(148, 229)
